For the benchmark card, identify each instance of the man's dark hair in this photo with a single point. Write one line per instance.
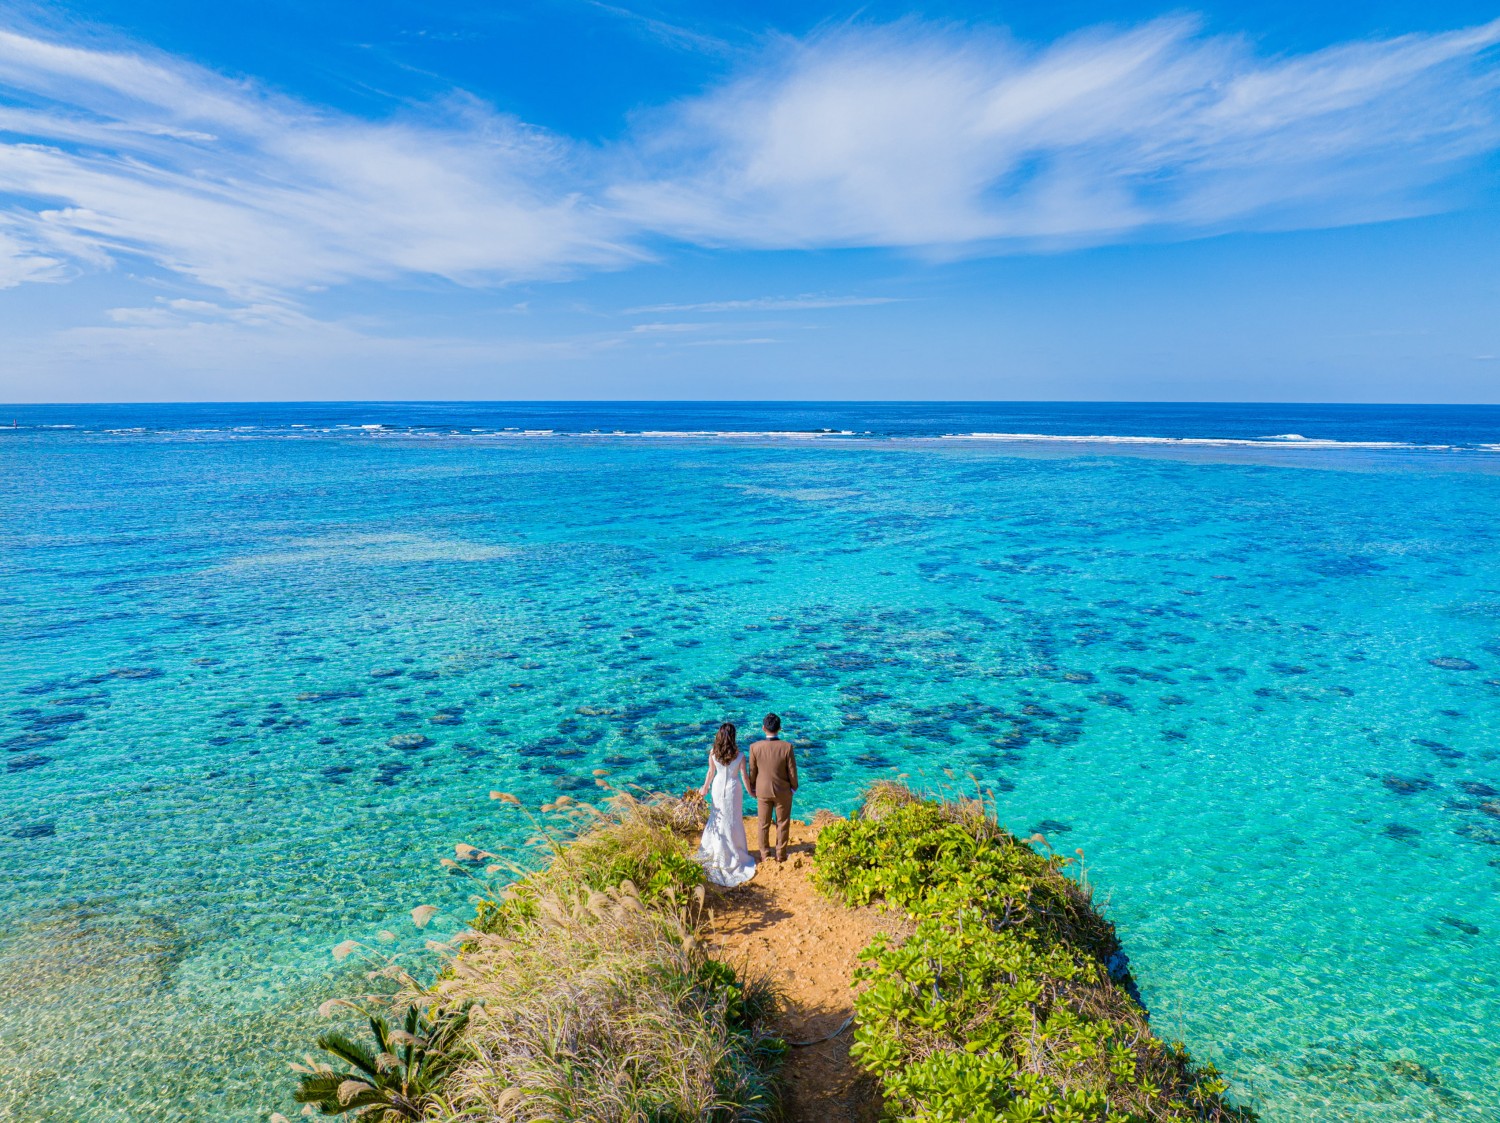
(772, 724)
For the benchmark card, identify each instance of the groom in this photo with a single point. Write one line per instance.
(773, 778)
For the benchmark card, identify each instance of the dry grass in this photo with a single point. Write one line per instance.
(593, 999)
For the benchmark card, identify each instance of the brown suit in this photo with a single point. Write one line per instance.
(773, 777)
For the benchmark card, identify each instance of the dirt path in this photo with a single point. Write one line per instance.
(780, 926)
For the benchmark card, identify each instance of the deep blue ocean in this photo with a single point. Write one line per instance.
(1246, 657)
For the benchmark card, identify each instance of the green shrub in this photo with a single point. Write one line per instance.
(1000, 1006)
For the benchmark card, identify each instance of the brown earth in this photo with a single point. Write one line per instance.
(781, 927)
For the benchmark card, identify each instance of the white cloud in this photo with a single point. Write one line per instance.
(944, 137)
(20, 262)
(772, 304)
(919, 136)
(256, 195)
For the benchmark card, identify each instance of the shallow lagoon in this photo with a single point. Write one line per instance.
(1210, 669)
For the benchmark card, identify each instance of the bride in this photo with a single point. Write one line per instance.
(724, 853)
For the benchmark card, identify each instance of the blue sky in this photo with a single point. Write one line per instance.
(569, 199)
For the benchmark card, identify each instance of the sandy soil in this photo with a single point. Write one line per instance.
(779, 925)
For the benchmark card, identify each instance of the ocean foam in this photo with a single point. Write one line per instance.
(1210, 442)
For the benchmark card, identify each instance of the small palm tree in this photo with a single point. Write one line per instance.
(393, 1081)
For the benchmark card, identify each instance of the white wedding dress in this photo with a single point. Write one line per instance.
(724, 853)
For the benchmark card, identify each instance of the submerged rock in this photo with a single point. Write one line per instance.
(47, 721)
(34, 831)
(1462, 925)
(1400, 831)
(1476, 833)
(1475, 788)
(387, 773)
(44, 687)
(1453, 663)
(23, 741)
(387, 672)
(27, 762)
(408, 741)
(1407, 785)
(328, 695)
(136, 672)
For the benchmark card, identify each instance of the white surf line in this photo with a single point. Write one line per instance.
(1232, 442)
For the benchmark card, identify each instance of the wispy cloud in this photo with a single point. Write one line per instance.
(952, 138)
(669, 34)
(935, 138)
(771, 304)
(124, 155)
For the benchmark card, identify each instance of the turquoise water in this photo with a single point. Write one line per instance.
(1210, 668)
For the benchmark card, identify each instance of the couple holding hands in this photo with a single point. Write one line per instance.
(771, 773)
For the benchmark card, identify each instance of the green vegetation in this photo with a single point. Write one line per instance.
(580, 992)
(1000, 1007)
(578, 848)
(394, 1080)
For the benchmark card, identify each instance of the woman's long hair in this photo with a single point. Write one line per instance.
(725, 745)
